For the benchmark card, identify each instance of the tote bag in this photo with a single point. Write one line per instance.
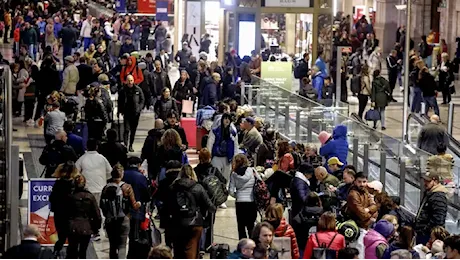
(187, 106)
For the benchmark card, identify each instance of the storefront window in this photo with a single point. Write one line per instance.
(286, 35)
(247, 3)
(212, 30)
(325, 3)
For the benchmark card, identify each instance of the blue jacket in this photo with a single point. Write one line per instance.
(317, 83)
(230, 143)
(57, 29)
(77, 143)
(300, 188)
(136, 35)
(337, 147)
(140, 188)
(321, 65)
(209, 95)
(342, 191)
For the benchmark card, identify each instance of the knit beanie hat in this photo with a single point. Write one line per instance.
(323, 137)
(384, 228)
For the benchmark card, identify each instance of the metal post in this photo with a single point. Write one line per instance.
(383, 167)
(355, 151)
(297, 125)
(267, 108)
(310, 129)
(450, 118)
(13, 182)
(250, 95)
(366, 159)
(338, 78)
(287, 118)
(258, 102)
(277, 112)
(242, 102)
(402, 181)
(406, 72)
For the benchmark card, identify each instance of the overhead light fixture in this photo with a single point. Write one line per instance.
(228, 2)
(401, 7)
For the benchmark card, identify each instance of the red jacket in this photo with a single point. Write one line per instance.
(324, 238)
(286, 230)
(132, 70)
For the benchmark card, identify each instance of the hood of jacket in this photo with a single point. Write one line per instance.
(340, 132)
(318, 74)
(248, 174)
(183, 184)
(281, 230)
(439, 188)
(371, 240)
(302, 177)
(314, 211)
(130, 68)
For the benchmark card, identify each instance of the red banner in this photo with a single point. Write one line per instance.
(146, 6)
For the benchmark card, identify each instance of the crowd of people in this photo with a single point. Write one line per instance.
(292, 200)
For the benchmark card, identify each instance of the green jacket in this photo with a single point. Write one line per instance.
(380, 95)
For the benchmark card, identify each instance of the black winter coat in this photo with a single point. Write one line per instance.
(95, 111)
(54, 154)
(203, 170)
(164, 106)
(131, 101)
(28, 249)
(182, 90)
(166, 155)
(114, 152)
(84, 214)
(86, 76)
(432, 211)
(150, 151)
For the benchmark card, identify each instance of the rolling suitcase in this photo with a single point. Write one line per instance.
(119, 128)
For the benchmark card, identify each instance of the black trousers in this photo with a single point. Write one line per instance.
(5, 33)
(446, 96)
(392, 78)
(29, 109)
(96, 129)
(130, 123)
(362, 99)
(62, 228)
(246, 214)
(78, 244)
(41, 101)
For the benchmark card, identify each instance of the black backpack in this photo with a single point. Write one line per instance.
(51, 157)
(323, 251)
(298, 71)
(217, 190)
(187, 213)
(297, 159)
(327, 92)
(113, 202)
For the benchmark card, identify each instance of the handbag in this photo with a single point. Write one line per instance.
(187, 106)
(372, 115)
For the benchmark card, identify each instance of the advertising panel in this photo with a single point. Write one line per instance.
(278, 73)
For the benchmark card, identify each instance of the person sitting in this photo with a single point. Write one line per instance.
(335, 167)
(29, 248)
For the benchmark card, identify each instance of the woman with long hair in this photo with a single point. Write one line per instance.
(285, 159)
(95, 114)
(169, 150)
(59, 201)
(405, 241)
(183, 90)
(262, 235)
(366, 90)
(189, 203)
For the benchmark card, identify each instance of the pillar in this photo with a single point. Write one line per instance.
(386, 23)
(421, 19)
(290, 41)
(449, 24)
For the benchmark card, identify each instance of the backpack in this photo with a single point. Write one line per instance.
(261, 194)
(282, 245)
(219, 251)
(187, 213)
(323, 251)
(297, 159)
(217, 190)
(51, 157)
(349, 230)
(113, 201)
(298, 71)
(304, 222)
(327, 92)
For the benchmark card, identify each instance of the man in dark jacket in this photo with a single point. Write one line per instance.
(130, 104)
(183, 56)
(160, 79)
(75, 141)
(192, 70)
(85, 72)
(112, 150)
(127, 47)
(427, 84)
(139, 183)
(172, 123)
(302, 69)
(210, 91)
(433, 208)
(150, 149)
(300, 187)
(393, 69)
(431, 135)
(56, 153)
(68, 34)
(29, 248)
(30, 39)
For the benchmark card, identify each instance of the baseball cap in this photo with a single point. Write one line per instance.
(334, 160)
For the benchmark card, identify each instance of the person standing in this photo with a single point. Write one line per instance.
(54, 121)
(29, 248)
(393, 64)
(427, 84)
(431, 135)
(30, 39)
(70, 77)
(68, 34)
(95, 114)
(84, 217)
(160, 79)
(366, 90)
(85, 32)
(446, 78)
(112, 150)
(160, 35)
(8, 21)
(183, 90)
(380, 96)
(130, 104)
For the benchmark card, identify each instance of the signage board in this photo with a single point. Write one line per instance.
(162, 10)
(287, 3)
(278, 73)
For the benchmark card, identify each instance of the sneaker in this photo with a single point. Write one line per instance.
(384, 128)
(223, 206)
(131, 150)
(30, 122)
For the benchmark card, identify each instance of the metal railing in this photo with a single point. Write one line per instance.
(397, 165)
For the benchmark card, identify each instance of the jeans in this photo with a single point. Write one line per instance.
(400, 79)
(78, 244)
(86, 43)
(417, 101)
(31, 48)
(433, 103)
(66, 51)
(246, 214)
(363, 99)
(118, 231)
(130, 123)
(113, 61)
(186, 241)
(159, 43)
